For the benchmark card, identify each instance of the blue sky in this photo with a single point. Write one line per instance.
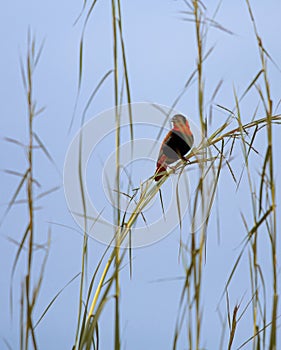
(161, 53)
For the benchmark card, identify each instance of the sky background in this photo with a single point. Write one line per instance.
(161, 52)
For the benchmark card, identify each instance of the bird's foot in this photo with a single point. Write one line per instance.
(185, 160)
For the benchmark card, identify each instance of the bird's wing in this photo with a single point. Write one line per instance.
(164, 142)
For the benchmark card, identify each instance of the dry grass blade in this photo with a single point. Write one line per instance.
(79, 83)
(29, 328)
(162, 203)
(256, 334)
(54, 299)
(263, 177)
(15, 264)
(46, 193)
(247, 239)
(37, 286)
(7, 344)
(253, 82)
(125, 66)
(85, 237)
(45, 151)
(14, 141)
(15, 195)
(188, 83)
(116, 252)
(226, 161)
(233, 327)
(248, 154)
(93, 94)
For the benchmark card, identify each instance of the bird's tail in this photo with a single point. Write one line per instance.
(161, 171)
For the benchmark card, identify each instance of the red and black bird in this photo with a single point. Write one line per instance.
(176, 144)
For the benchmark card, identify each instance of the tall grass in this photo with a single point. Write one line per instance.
(31, 283)
(85, 334)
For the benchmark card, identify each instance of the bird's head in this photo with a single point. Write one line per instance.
(178, 121)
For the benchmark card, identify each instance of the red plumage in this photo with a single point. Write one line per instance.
(176, 144)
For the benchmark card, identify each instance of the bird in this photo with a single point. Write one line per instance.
(176, 144)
